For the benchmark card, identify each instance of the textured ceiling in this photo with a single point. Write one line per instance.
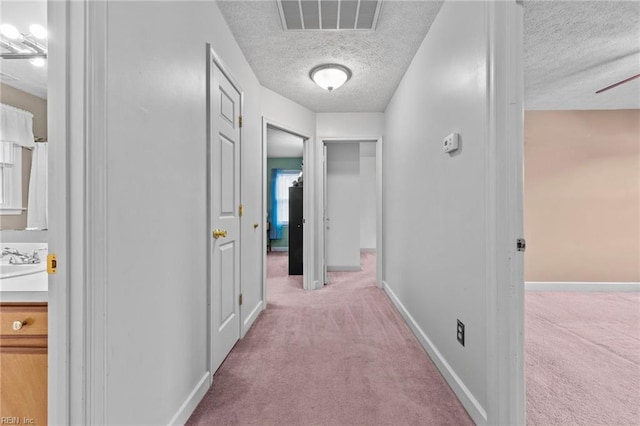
(282, 144)
(378, 59)
(574, 48)
(19, 73)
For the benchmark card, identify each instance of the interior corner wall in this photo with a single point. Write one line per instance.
(38, 107)
(288, 113)
(434, 211)
(582, 196)
(157, 203)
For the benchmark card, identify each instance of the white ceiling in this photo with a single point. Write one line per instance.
(574, 48)
(19, 73)
(378, 59)
(281, 144)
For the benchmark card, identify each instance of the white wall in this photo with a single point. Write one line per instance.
(285, 112)
(434, 203)
(343, 206)
(350, 124)
(367, 195)
(157, 211)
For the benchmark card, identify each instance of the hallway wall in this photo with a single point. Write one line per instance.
(434, 203)
(157, 215)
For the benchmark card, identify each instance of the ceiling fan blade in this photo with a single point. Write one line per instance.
(626, 80)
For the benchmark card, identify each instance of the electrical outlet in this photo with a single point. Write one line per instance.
(451, 142)
(460, 333)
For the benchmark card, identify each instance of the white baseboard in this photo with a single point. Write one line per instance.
(248, 322)
(344, 268)
(192, 401)
(470, 403)
(581, 286)
(279, 248)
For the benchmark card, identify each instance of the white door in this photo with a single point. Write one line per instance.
(225, 217)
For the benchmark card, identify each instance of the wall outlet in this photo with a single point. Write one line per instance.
(460, 333)
(451, 142)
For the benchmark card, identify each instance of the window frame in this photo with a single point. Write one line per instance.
(282, 173)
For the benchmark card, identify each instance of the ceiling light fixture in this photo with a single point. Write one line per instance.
(38, 31)
(37, 62)
(10, 32)
(330, 76)
(18, 45)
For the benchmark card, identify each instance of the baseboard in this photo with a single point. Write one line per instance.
(345, 268)
(252, 317)
(279, 248)
(368, 250)
(470, 403)
(192, 401)
(581, 286)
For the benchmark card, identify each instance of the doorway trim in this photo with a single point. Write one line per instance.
(379, 198)
(504, 196)
(307, 232)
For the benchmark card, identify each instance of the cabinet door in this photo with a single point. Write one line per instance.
(23, 380)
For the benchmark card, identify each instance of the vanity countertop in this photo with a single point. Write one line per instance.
(24, 296)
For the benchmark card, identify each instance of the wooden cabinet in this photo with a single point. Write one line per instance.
(23, 362)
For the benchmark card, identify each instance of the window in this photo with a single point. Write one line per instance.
(284, 179)
(10, 178)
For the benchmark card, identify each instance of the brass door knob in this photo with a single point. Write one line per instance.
(217, 233)
(17, 325)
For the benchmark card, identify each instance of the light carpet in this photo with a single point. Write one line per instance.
(582, 358)
(341, 355)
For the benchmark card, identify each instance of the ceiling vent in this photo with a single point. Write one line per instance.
(329, 15)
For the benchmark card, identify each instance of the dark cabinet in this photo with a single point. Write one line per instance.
(295, 230)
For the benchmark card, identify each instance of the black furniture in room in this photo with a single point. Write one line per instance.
(295, 230)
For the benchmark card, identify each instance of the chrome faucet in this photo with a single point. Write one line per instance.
(18, 258)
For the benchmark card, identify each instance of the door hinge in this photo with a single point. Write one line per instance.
(240, 121)
(240, 299)
(240, 210)
(521, 244)
(52, 263)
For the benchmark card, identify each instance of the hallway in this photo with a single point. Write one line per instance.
(337, 356)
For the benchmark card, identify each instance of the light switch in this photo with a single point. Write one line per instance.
(451, 142)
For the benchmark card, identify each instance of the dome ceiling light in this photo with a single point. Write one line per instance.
(330, 76)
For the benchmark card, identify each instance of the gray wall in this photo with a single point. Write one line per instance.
(157, 201)
(343, 206)
(367, 195)
(434, 203)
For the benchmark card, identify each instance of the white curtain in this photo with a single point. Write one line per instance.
(37, 209)
(16, 126)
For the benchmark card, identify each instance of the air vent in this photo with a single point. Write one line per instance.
(329, 15)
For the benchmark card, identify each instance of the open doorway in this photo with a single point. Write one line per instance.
(352, 217)
(24, 226)
(284, 207)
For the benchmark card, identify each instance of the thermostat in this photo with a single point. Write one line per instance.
(451, 142)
